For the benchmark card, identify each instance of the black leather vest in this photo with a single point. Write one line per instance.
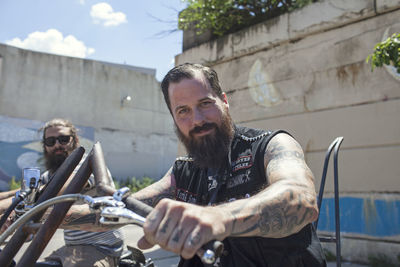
(243, 175)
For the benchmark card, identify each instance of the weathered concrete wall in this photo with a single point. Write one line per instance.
(137, 136)
(306, 72)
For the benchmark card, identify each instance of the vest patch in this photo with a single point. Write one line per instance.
(186, 196)
(243, 162)
(238, 180)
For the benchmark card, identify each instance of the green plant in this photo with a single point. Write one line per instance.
(14, 184)
(386, 52)
(225, 16)
(134, 184)
(381, 260)
(329, 255)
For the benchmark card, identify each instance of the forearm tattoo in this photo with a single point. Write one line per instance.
(279, 217)
(152, 195)
(288, 202)
(284, 216)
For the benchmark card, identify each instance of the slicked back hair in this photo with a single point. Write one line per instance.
(188, 71)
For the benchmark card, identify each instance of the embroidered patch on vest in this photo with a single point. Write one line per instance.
(243, 162)
(185, 196)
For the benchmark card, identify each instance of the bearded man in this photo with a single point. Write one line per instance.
(82, 247)
(249, 188)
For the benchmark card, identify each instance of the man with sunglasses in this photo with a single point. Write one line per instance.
(82, 247)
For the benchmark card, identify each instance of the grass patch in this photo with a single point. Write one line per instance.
(381, 260)
(329, 255)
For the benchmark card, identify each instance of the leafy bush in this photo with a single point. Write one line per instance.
(226, 16)
(386, 52)
(14, 184)
(134, 184)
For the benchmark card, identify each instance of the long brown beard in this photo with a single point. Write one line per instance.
(53, 161)
(209, 151)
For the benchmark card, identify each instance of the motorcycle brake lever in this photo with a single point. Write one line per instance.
(120, 215)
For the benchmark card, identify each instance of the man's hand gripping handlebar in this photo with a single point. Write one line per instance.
(113, 211)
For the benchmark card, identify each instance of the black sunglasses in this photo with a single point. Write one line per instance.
(62, 139)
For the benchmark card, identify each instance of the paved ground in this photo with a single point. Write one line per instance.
(160, 257)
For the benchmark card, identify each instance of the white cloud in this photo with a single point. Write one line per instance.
(103, 13)
(53, 42)
(82, 2)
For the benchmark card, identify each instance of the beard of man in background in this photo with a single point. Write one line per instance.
(209, 151)
(53, 161)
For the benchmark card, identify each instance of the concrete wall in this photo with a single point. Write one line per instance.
(306, 72)
(137, 136)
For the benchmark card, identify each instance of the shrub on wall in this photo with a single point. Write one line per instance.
(226, 16)
(386, 53)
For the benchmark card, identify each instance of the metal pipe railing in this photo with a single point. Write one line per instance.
(334, 146)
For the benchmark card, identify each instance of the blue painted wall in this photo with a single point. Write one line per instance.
(367, 216)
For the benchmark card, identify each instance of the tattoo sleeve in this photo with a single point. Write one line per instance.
(164, 188)
(287, 203)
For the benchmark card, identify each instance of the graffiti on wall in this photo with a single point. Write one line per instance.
(20, 146)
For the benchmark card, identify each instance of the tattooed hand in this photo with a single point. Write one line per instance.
(182, 227)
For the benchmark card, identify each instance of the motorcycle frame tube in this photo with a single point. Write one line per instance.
(104, 187)
(51, 190)
(55, 218)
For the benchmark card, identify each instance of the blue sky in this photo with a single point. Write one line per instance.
(118, 31)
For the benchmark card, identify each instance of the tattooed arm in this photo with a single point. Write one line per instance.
(283, 207)
(164, 188)
(287, 204)
(80, 218)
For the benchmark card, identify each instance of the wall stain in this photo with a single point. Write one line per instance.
(341, 73)
(344, 72)
(370, 215)
(355, 69)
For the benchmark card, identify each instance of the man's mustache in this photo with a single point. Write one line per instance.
(59, 149)
(204, 127)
